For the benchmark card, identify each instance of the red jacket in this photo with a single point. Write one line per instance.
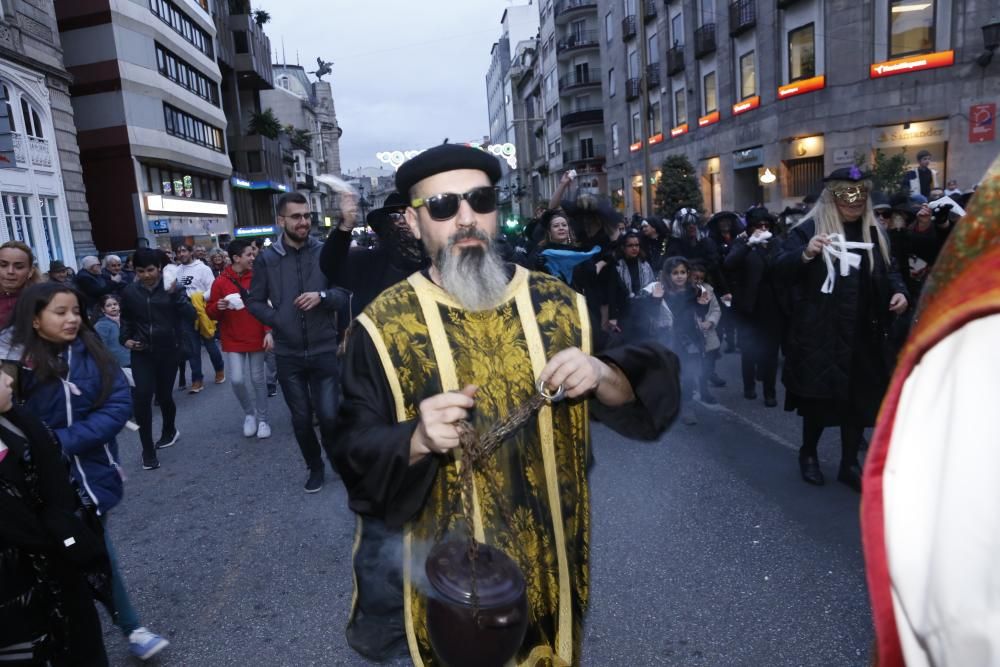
(240, 331)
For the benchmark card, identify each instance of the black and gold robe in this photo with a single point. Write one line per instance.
(415, 341)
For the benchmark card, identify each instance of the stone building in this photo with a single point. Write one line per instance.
(794, 89)
(150, 122)
(41, 182)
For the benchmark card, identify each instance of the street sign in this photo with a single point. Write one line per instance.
(159, 226)
(983, 123)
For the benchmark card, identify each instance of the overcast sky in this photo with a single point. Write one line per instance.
(406, 74)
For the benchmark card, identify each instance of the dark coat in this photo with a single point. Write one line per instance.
(88, 440)
(824, 329)
(156, 318)
(751, 268)
(703, 250)
(280, 275)
(94, 287)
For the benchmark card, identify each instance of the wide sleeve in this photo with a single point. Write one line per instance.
(654, 373)
(99, 426)
(372, 448)
(789, 265)
(333, 257)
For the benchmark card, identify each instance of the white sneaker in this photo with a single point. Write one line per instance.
(249, 426)
(263, 430)
(144, 644)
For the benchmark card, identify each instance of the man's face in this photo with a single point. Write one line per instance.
(94, 269)
(200, 253)
(925, 161)
(466, 229)
(296, 220)
(148, 275)
(184, 256)
(114, 268)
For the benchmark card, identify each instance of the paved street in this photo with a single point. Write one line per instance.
(707, 548)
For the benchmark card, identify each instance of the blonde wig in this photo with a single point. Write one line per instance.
(828, 221)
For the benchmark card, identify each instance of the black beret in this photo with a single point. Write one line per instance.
(446, 157)
(852, 174)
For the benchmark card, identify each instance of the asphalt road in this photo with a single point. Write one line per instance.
(707, 549)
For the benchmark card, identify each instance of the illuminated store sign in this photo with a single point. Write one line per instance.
(162, 204)
(746, 105)
(802, 87)
(656, 138)
(710, 119)
(913, 64)
(679, 130)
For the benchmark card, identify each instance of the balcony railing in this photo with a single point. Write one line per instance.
(633, 88)
(704, 40)
(31, 149)
(675, 60)
(578, 80)
(652, 75)
(584, 153)
(629, 27)
(742, 16)
(567, 8)
(579, 40)
(649, 11)
(592, 116)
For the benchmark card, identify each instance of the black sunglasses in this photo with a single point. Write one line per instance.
(883, 213)
(444, 206)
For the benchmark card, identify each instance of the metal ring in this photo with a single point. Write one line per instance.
(555, 397)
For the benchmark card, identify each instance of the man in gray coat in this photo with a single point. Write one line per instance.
(290, 294)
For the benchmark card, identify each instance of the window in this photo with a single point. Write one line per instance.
(240, 42)
(802, 53)
(711, 98)
(609, 27)
(636, 134)
(707, 10)
(582, 72)
(653, 52)
(189, 128)
(633, 64)
(32, 123)
(17, 219)
(911, 27)
(182, 24)
(677, 30)
(655, 117)
(615, 146)
(587, 147)
(186, 76)
(50, 227)
(629, 6)
(805, 176)
(6, 101)
(611, 82)
(578, 29)
(748, 76)
(680, 107)
(548, 81)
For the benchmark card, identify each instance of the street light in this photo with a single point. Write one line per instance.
(991, 40)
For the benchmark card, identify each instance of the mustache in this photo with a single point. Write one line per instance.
(467, 234)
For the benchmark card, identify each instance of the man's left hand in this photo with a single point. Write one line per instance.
(307, 301)
(898, 304)
(268, 342)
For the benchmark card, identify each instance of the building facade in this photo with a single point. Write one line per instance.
(150, 121)
(792, 89)
(312, 142)
(244, 57)
(41, 181)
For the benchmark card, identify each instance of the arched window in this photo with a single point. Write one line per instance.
(32, 121)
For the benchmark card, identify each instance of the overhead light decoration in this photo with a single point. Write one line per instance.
(506, 152)
(768, 177)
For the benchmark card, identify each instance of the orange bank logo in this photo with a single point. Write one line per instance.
(913, 64)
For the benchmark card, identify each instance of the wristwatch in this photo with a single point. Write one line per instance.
(322, 295)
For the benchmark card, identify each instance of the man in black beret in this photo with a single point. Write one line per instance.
(470, 340)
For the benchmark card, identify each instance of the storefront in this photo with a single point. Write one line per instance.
(175, 220)
(747, 190)
(911, 138)
(802, 167)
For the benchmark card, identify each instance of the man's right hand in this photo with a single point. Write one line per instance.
(222, 304)
(436, 432)
(133, 344)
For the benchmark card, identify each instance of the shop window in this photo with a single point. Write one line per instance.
(805, 176)
(911, 27)
(748, 76)
(802, 53)
(680, 107)
(711, 97)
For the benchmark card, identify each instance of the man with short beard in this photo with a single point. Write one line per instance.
(291, 295)
(471, 338)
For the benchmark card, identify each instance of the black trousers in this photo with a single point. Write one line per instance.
(154, 374)
(759, 342)
(311, 384)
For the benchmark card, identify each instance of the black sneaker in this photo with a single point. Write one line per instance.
(150, 463)
(716, 381)
(272, 390)
(315, 481)
(168, 440)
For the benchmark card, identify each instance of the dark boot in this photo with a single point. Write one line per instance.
(809, 467)
(850, 475)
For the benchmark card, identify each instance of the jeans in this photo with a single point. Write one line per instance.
(272, 367)
(195, 341)
(125, 616)
(248, 375)
(153, 373)
(308, 384)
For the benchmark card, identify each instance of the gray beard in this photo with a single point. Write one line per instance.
(475, 277)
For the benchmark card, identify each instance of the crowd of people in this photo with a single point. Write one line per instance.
(824, 292)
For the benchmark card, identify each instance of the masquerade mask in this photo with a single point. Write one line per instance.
(850, 194)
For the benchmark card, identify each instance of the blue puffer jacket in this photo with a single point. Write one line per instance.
(88, 439)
